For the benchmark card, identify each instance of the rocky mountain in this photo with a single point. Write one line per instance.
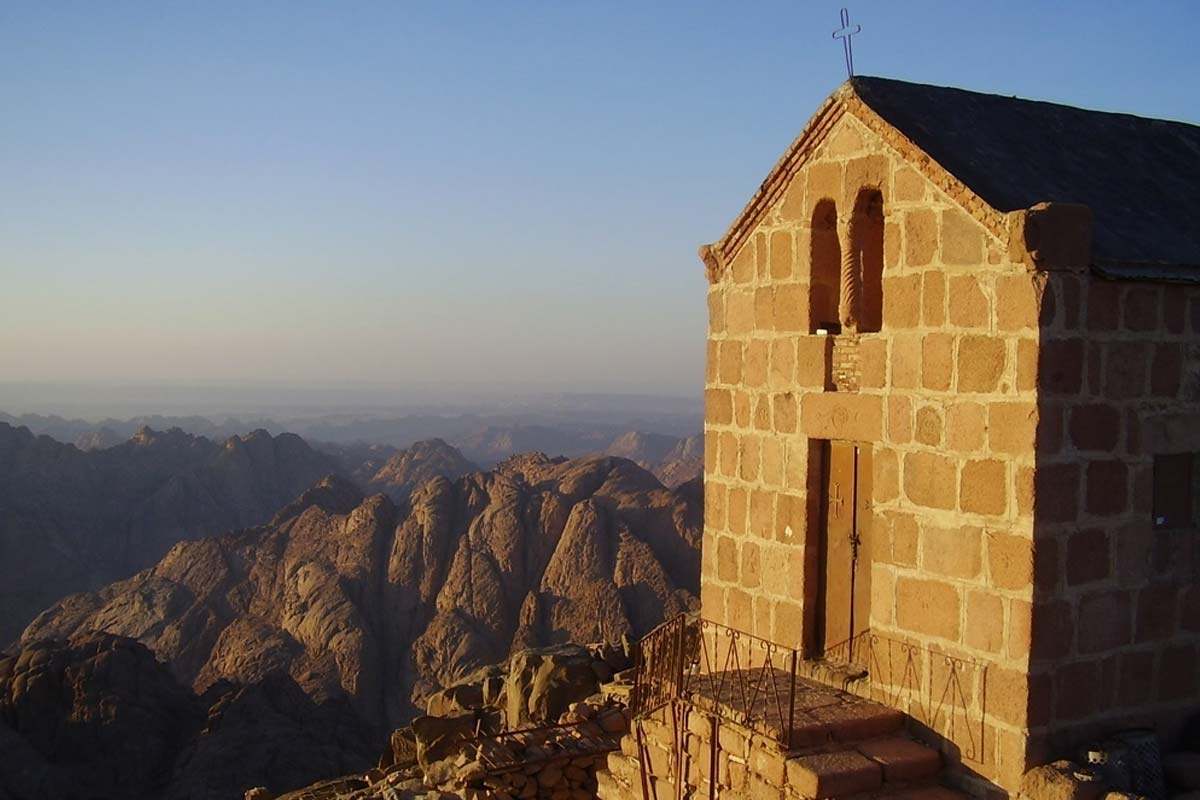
(107, 432)
(407, 469)
(685, 462)
(101, 717)
(359, 598)
(359, 461)
(672, 459)
(494, 443)
(361, 445)
(72, 520)
(98, 439)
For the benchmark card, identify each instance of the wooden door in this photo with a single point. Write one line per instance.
(844, 600)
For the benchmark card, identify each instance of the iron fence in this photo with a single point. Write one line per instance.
(743, 679)
(943, 693)
(734, 675)
(753, 682)
(662, 659)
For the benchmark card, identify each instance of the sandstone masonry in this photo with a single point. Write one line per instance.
(1013, 410)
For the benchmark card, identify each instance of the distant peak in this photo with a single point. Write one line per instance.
(145, 435)
(436, 443)
(333, 493)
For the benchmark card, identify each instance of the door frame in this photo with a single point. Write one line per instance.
(821, 460)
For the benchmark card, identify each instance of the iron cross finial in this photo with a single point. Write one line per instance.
(844, 33)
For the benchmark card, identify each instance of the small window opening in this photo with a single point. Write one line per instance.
(1174, 492)
(868, 245)
(825, 260)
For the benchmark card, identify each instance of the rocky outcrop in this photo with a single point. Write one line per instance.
(101, 712)
(470, 753)
(287, 652)
(684, 463)
(543, 682)
(72, 520)
(101, 717)
(407, 469)
(381, 606)
(672, 459)
(267, 732)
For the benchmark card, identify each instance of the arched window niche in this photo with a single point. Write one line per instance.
(867, 241)
(825, 258)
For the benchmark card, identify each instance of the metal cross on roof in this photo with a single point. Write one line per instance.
(847, 30)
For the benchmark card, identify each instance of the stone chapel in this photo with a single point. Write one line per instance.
(952, 423)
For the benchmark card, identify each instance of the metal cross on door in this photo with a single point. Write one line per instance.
(836, 501)
(844, 602)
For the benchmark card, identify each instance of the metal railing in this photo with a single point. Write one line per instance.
(743, 679)
(663, 657)
(752, 682)
(734, 675)
(943, 693)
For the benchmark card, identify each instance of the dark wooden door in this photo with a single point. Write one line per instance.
(844, 601)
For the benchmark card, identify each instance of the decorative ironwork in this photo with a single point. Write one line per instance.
(743, 679)
(752, 682)
(662, 659)
(724, 672)
(944, 694)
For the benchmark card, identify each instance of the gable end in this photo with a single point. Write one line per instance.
(843, 101)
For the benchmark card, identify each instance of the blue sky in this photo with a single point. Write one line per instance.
(469, 195)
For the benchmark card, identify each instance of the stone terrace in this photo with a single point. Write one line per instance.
(842, 746)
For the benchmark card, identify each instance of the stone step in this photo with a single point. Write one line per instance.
(837, 774)
(902, 760)
(893, 766)
(882, 768)
(844, 722)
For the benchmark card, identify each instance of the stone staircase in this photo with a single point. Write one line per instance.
(841, 746)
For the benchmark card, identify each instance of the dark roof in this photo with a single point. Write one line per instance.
(1139, 176)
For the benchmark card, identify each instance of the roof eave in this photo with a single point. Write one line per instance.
(723, 250)
(844, 100)
(1153, 271)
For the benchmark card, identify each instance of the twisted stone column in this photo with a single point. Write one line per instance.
(848, 301)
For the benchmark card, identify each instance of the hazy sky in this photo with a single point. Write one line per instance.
(494, 194)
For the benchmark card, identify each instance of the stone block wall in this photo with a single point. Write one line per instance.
(747, 764)
(1116, 624)
(1015, 402)
(947, 394)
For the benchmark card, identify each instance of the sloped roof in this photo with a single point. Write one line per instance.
(1140, 177)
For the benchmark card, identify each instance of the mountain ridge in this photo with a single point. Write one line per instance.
(79, 520)
(380, 603)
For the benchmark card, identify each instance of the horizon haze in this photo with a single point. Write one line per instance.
(444, 197)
